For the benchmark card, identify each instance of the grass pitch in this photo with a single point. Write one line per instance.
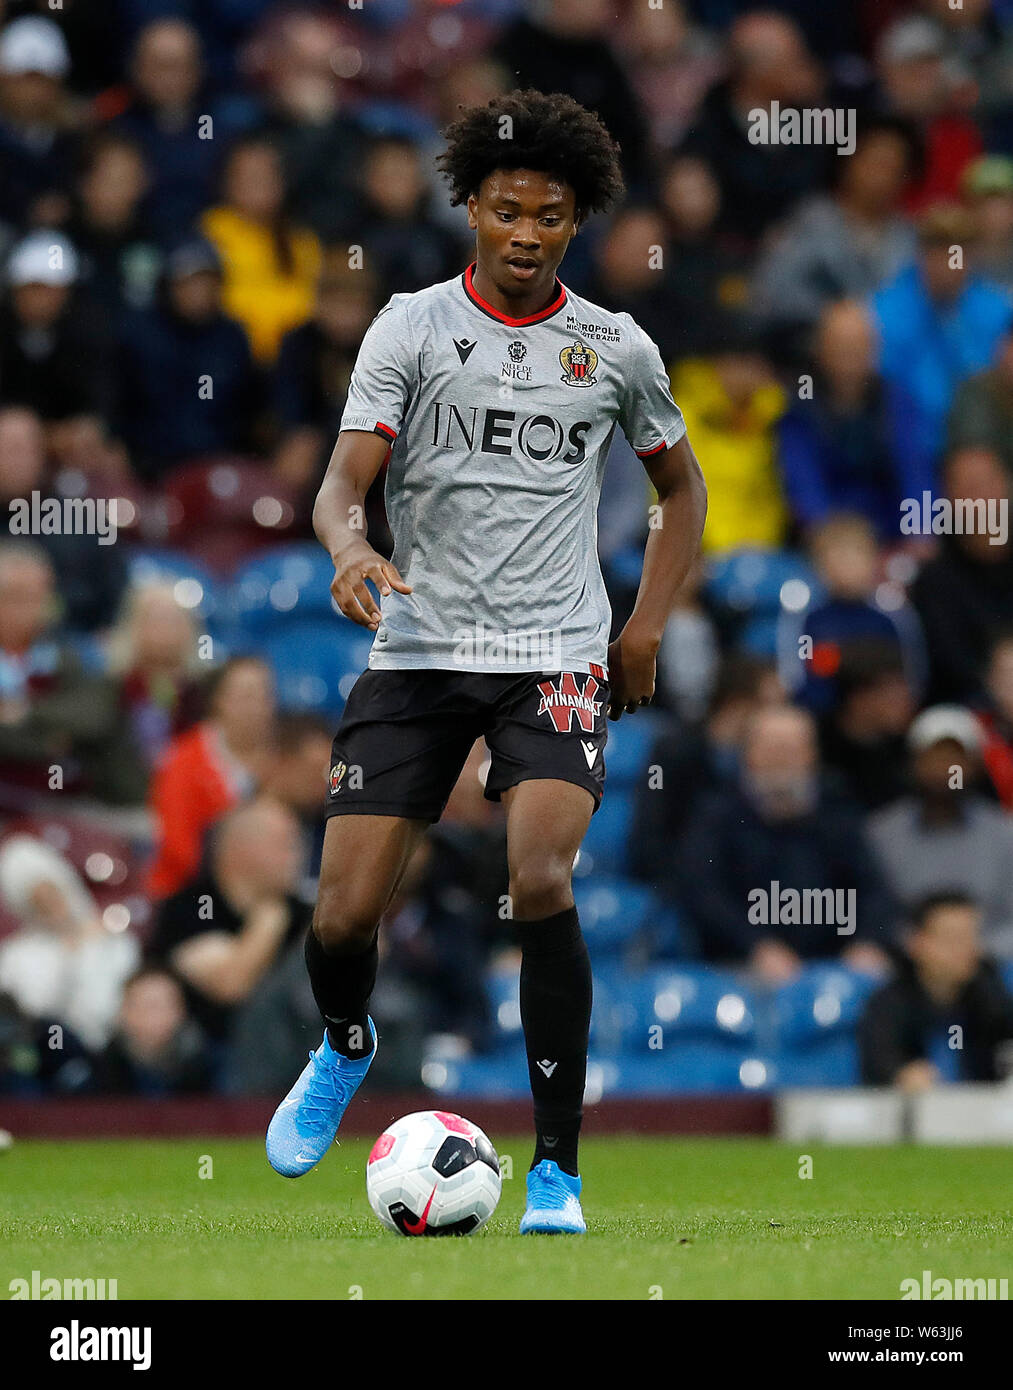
(675, 1219)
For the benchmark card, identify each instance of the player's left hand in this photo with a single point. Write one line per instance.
(632, 666)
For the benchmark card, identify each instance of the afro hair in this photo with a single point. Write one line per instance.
(552, 134)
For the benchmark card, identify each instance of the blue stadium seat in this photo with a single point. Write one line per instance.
(831, 1062)
(316, 663)
(285, 583)
(751, 581)
(196, 587)
(606, 845)
(612, 911)
(608, 1016)
(1007, 974)
(689, 1001)
(503, 1074)
(628, 751)
(685, 1067)
(824, 1001)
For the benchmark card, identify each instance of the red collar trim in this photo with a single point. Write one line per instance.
(486, 308)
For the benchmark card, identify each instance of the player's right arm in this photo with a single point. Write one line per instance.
(338, 521)
(382, 383)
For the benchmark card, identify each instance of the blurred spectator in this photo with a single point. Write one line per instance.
(732, 403)
(946, 835)
(29, 1064)
(778, 830)
(920, 83)
(964, 596)
(840, 245)
(120, 258)
(321, 140)
(37, 142)
(671, 62)
(270, 264)
(62, 962)
(60, 728)
(188, 386)
(760, 182)
(564, 47)
(706, 273)
(408, 248)
(938, 322)
(179, 123)
(224, 930)
(90, 577)
(689, 655)
(996, 720)
(152, 654)
(694, 762)
(847, 443)
(210, 768)
(854, 608)
(156, 1050)
(628, 274)
(862, 735)
(53, 356)
(945, 983)
(988, 187)
(296, 777)
(315, 366)
(982, 413)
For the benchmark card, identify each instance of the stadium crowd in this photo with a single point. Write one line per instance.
(203, 203)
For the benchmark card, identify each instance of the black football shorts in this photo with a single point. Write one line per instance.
(405, 735)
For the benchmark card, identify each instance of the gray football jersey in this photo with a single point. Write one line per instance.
(500, 429)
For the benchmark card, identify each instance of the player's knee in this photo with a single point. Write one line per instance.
(540, 886)
(343, 923)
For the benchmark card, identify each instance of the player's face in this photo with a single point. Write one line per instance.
(524, 222)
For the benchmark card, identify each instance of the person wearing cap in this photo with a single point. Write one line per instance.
(939, 321)
(189, 389)
(946, 835)
(37, 144)
(54, 355)
(922, 80)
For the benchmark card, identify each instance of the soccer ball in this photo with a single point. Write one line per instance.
(433, 1174)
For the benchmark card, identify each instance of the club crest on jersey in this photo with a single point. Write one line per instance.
(578, 362)
(336, 777)
(564, 701)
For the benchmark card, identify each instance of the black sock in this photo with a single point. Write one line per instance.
(556, 1015)
(342, 982)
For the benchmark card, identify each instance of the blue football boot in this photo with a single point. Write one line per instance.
(553, 1201)
(305, 1123)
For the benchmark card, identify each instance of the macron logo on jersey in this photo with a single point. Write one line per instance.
(562, 703)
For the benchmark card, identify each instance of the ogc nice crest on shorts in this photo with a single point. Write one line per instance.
(561, 703)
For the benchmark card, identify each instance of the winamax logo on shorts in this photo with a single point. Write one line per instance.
(777, 125)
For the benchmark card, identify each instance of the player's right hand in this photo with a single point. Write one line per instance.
(350, 591)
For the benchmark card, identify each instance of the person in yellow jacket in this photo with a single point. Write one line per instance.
(271, 266)
(732, 403)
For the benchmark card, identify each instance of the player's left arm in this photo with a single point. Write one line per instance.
(671, 547)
